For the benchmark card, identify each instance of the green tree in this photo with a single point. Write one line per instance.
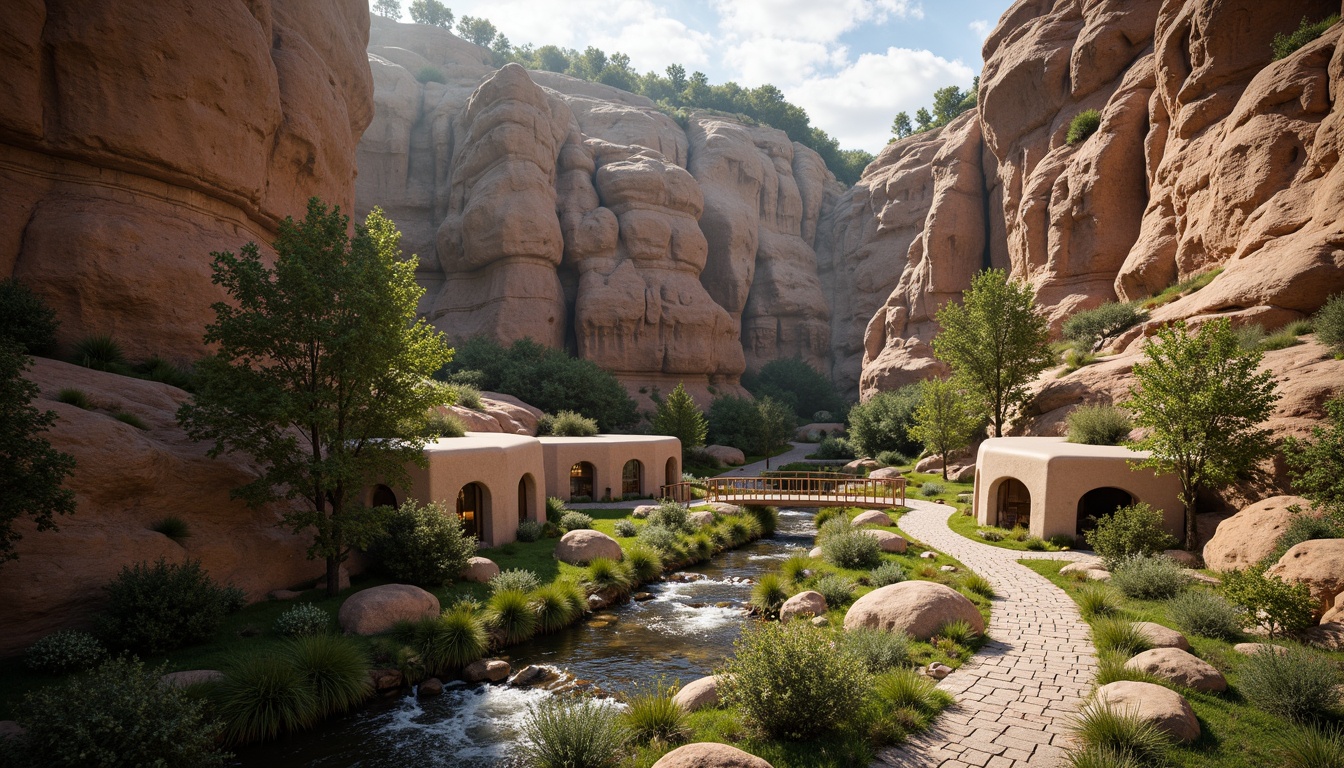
(923, 120)
(676, 76)
(1201, 400)
(477, 30)
(552, 59)
(26, 319)
(943, 421)
(948, 103)
(31, 471)
(775, 426)
(901, 127)
(680, 417)
(431, 12)
(995, 342)
(321, 373)
(882, 422)
(1317, 465)
(388, 9)
(732, 421)
(797, 385)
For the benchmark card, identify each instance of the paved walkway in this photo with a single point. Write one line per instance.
(1016, 695)
(798, 452)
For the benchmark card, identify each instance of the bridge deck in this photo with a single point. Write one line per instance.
(804, 489)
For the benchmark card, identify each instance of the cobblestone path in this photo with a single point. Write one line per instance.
(1016, 695)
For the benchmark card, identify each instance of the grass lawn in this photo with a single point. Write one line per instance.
(1017, 539)
(1235, 733)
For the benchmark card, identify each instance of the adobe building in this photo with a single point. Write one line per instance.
(608, 467)
(1053, 487)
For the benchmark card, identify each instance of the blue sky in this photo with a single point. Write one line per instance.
(852, 64)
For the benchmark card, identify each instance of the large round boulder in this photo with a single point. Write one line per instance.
(701, 519)
(1247, 537)
(1179, 667)
(1319, 564)
(698, 694)
(709, 755)
(917, 608)
(583, 546)
(191, 677)
(807, 603)
(885, 473)
(890, 542)
(486, 671)
(1159, 636)
(1163, 707)
(376, 610)
(727, 455)
(871, 517)
(480, 569)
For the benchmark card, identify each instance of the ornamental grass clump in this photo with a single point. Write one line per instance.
(768, 595)
(1097, 600)
(1311, 747)
(519, 579)
(977, 584)
(509, 613)
(645, 563)
(563, 732)
(908, 688)
(335, 669)
(302, 620)
(797, 568)
(1292, 682)
(423, 544)
(452, 640)
(554, 607)
(652, 715)
(608, 576)
(1119, 635)
(262, 696)
(1099, 727)
(792, 682)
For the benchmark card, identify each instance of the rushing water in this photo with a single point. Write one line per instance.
(681, 634)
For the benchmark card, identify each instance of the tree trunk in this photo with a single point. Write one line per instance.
(333, 575)
(1191, 528)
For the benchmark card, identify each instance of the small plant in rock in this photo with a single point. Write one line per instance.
(423, 544)
(1311, 746)
(439, 424)
(1083, 125)
(509, 613)
(75, 397)
(887, 573)
(131, 420)
(1119, 635)
(1292, 682)
(159, 607)
(1097, 600)
(1148, 577)
(530, 530)
(428, 74)
(1099, 425)
(652, 715)
(569, 424)
(563, 732)
(452, 640)
(576, 521)
(1329, 323)
(837, 589)
(519, 579)
(65, 651)
(959, 632)
(1284, 45)
(173, 527)
(878, 650)
(1101, 324)
(302, 620)
(768, 595)
(1132, 530)
(100, 353)
(465, 395)
(1203, 613)
(626, 528)
(1276, 606)
(903, 688)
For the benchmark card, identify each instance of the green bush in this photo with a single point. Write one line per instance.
(556, 606)
(1292, 682)
(303, 620)
(891, 458)
(451, 641)
(173, 527)
(852, 549)
(562, 732)
(1093, 757)
(1203, 613)
(530, 530)
(797, 385)
(423, 544)
(1119, 635)
(1306, 31)
(797, 568)
(65, 651)
(100, 353)
(670, 515)
(159, 607)
(733, 421)
(768, 595)
(262, 696)
(877, 649)
(1062, 541)
(1277, 606)
(1099, 425)
(1148, 577)
(1111, 668)
(827, 514)
(652, 715)
(1082, 126)
(1075, 358)
(510, 614)
(605, 575)
(1102, 324)
(959, 632)
(1034, 543)
(465, 395)
(883, 422)
(117, 716)
(1099, 727)
(837, 589)
(1329, 323)
(834, 449)
(555, 509)
(75, 397)
(568, 424)
(439, 424)
(1097, 600)
(666, 543)
(1132, 530)
(1311, 747)
(792, 682)
(1303, 527)
(930, 489)
(165, 372)
(335, 670)
(645, 563)
(25, 318)
(886, 573)
(576, 521)
(428, 74)
(626, 528)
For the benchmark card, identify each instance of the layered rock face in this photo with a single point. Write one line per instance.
(136, 138)
(580, 216)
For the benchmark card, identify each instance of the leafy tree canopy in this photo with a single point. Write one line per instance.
(882, 423)
(388, 9)
(679, 417)
(1318, 463)
(798, 385)
(948, 104)
(944, 421)
(431, 12)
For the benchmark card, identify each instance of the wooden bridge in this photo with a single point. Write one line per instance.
(793, 489)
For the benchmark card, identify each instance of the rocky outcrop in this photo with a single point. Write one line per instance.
(136, 139)
(1247, 537)
(1319, 564)
(698, 694)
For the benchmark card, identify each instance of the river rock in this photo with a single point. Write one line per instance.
(582, 546)
(191, 677)
(528, 675)
(480, 570)
(1159, 636)
(698, 694)
(376, 610)
(701, 519)
(1163, 707)
(1248, 536)
(871, 517)
(430, 687)
(805, 604)
(890, 542)
(1179, 667)
(727, 455)
(815, 552)
(937, 671)
(1319, 564)
(917, 608)
(384, 680)
(709, 755)
(486, 670)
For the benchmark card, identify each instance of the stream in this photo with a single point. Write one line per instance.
(682, 633)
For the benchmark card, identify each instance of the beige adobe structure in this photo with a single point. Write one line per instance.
(496, 481)
(1053, 487)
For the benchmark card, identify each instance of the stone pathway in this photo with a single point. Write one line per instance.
(798, 452)
(1016, 695)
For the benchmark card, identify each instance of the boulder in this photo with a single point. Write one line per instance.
(807, 603)
(284, 594)
(917, 608)
(1319, 564)
(376, 610)
(1081, 566)
(727, 455)
(709, 755)
(1183, 558)
(1163, 707)
(1159, 636)
(937, 671)
(871, 517)
(961, 473)
(1336, 611)
(10, 729)
(430, 687)
(191, 677)
(890, 542)
(386, 679)
(698, 694)
(1248, 536)
(1328, 636)
(814, 552)
(820, 621)
(722, 508)
(480, 570)
(643, 510)
(1179, 667)
(857, 466)
(1250, 649)
(885, 473)
(582, 546)
(701, 519)
(486, 671)
(528, 675)
(929, 465)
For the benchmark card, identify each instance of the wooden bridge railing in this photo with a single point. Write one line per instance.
(809, 488)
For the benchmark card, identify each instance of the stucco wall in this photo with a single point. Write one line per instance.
(608, 455)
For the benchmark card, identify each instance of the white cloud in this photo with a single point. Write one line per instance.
(981, 27)
(856, 104)
(808, 19)
(781, 62)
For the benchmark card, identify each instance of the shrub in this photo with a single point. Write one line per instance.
(576, 521)
(1329, 323)
(1093, 757)
(989, 534)
(75, 397)
(335, 669)
(465, 395)
(302, 620)
(1097, 600)
(1099, 425)
(733, 421)
(439, 424)
(1306, 31)
(165, 372)
(837, 589)
(1303, 527)
(1101, 324)
(977, 584)
(555, 509)
(1062, 541)
(670, 515)
(644, 563)
(886, 573)
(1111, 668)
(100, 353)
(834, 449)
(26, 319)
(651, 714)
(173, 527)
(701, 546)
(1075, 358)
(1034, 543)
(423, 544)
(605, 575)
(1203, 613)
(130, 419)
(159, 607)
(1019, 532)
(562, 732)
(555, 606)
(852, 549)
(1277, 606)
(877, 649)
(1311, 747)
(1082, 126)
(791, 682)
(510, 614)
(892, 459)
(428, 74)
(65, 651)
(530, 530)
(570, 424)
(1148, 577)
(768, 595)
(519, 579)
(1099, 727)
(1118, 635)
(797, 568)
(1132, 530)
(883, 422)
(452, 640)
(827, 514)
(930, 489)
(665, 542)
(1291, 682)
(119, 715)
(262, 696)
(626, 528)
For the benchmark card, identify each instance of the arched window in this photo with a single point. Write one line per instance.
(383, 497)
(673, 476)
(471, 508)
(582, 480)
(1014, 504)
(522, 499)
(1098, 503)
(632, 477)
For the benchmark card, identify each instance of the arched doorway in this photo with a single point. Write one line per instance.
(632, 478)
(383, 497)
(673, 476)
(582, 480)
(526, 485)
(1013, 504)
(471, 509)
(1098, 503)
